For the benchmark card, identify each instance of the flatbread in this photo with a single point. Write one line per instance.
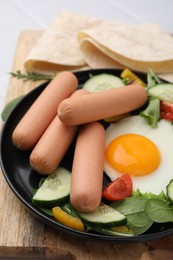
(138, 47)
(76, 42)
(58, 48)
(94, 56)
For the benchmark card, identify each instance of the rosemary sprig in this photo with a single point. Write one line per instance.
(31, 76)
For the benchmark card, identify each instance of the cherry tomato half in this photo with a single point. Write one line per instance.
(119, 189)
(166, 110)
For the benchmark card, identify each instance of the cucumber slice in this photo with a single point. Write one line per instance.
(104, 216)
(162, 91)
(55, 190)
(102, 82)
(111, 232)
(169, 190)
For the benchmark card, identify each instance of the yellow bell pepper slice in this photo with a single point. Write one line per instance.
(128, 74)
(67, 220)
(123, 229)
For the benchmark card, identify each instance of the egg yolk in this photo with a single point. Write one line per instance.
(133, 154)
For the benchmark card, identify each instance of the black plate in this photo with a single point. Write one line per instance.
(22, 179)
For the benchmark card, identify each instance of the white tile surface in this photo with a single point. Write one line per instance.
(98, 8)
(143, 8)
(163, 18)
(18, 15)
(33, 5)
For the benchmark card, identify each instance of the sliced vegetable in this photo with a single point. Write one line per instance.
(159, 211)
(152, 112)
(102, 82)
(162, 91)
(166, 110)
(123, 230)
(131, 76)
(115, 231)
(119, 189)
(55, 190)
(68, 220)
(104, 216)
(169, 190)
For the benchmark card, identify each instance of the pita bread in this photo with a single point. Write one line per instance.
(140, 46)
(77, 42)
(58, 48)
(95, 58)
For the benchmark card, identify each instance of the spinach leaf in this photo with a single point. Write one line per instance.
(139, 229)
(133, 208)
(9, 107)
(141, 219)
(68, 208)
(159, 211)
(47, 211)
(130, 205)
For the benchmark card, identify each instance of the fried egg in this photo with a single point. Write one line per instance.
(145, 153)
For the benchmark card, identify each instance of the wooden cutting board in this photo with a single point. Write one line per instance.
(22, 236)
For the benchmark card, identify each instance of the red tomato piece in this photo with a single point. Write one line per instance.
(166, 110)
(118, 189)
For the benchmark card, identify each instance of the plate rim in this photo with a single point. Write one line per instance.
(46, 219)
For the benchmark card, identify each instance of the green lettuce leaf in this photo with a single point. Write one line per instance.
(152, 112)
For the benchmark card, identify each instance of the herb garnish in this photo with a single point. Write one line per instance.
(31, 76)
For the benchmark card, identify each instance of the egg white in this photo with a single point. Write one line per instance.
(162, 137)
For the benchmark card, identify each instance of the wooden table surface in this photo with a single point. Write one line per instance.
(23, 236)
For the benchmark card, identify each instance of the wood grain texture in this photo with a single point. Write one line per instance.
(23, 236)
(25, 42)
